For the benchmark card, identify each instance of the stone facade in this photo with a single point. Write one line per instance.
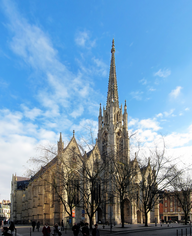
(37, 200)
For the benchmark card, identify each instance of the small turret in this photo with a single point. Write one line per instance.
(100, 118)
(125, 116)
(60, 144)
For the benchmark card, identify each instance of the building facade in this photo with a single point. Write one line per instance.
(172, 208)
(5, 210)
(38, 201)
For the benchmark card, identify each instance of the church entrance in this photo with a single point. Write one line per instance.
(127, 211)
(99, 215)
(138, 216)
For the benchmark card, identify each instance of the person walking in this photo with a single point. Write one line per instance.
(38, 226)
(33, 225)
(62, 226)
(95, 231)
(46, 230)
(75, 229)
(56, 230)
(85, 230)
(12, 227)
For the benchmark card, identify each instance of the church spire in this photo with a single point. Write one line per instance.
(112, 96)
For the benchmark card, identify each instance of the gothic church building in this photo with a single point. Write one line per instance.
(32, 200)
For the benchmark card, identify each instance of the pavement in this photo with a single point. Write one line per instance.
(26, 230)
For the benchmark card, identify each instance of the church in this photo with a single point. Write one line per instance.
(34, 199)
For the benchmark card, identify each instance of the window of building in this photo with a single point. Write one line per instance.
(165, 204)
(165, 209)
(179, 209)
(171, 209)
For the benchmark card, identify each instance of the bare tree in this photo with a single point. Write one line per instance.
(123, 180)
(94, 181)
(158, 174)
(183, 192)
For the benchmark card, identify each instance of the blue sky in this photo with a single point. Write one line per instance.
(54, 67)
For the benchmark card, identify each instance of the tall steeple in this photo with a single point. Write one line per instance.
(112, 95)
(112, 123)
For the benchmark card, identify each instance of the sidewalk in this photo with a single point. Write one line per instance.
(26, 229)
(141, 227)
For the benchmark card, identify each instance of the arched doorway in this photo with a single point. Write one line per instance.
(99, 215)
(127, 211)
(138, 216)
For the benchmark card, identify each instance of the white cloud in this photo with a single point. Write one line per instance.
(149, 124)
(3, 83)
(163, 73)
(83, 39)
(133, 122)
(31, 113)
(77, 112)
(145, 124)
(152, 89)
(143, 81)
(187, 109)
(137, 95)
(168, 113)
(176, 92)
(102, 67)
(159, 115)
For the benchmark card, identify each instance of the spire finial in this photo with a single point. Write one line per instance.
(73, 133)
(100, 111)
(113, 46)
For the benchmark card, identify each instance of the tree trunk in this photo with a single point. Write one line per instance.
(91, 222)
(186, 218)
(122, 214)
(146, 219)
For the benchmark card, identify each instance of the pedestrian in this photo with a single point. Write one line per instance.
(62, 226)
(56, 230)
(12, 227)
(5, 231)
(33, 225)
(46, 230)
(38, 226)
(85, 230)
(75, 229)
(95, 231)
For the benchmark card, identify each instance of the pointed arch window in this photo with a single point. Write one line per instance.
(104, 145)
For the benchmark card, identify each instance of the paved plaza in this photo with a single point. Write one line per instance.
(130, 230)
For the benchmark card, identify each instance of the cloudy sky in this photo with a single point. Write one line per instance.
(54, 67)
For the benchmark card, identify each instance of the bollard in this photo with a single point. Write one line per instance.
(65, 229)
(111, 227)
(177, 232)
(15, 232)
(186, 231)
(190, 230)
(181, 232)
(30, 231)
